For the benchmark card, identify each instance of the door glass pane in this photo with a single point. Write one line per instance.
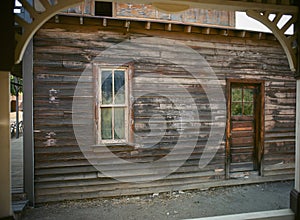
(236, 95)
(119, 81)
(106, 123)
(106, 87)
(248, 95)
(119, 123)
(248, 108)
(236, 108)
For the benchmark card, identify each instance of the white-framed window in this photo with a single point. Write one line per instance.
(113, 105)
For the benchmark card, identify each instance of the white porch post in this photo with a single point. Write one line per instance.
(28, 124)
(295, 194)
(6, 63)
(297, 156)
(5, 191)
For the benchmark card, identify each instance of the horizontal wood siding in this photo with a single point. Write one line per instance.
(280, 128)
(62, 51)
(148, 11)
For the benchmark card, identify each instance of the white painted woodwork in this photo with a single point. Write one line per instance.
(28, 123)
(39, 18)
(5, 180)
(297, 156)
(284, 214)
(285, 41)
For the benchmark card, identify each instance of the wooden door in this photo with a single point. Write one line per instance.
(244, 129)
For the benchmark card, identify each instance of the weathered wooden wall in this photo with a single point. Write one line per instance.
(64, 49)
(146, 11)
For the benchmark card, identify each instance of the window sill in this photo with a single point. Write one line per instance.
(115, 144)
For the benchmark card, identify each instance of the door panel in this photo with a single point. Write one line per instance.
(243, 135)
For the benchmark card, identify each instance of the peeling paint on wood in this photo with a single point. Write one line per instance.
(62, 51)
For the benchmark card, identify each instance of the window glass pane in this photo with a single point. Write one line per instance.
(106, 79)
(248, 108)
(236, 94)
(119, 81)
(236, 108)
(119, 123)
(248, 95)
(106, 123)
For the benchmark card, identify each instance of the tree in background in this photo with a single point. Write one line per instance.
(16, 85)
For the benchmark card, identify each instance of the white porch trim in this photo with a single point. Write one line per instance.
(5, 178)
(284, 214)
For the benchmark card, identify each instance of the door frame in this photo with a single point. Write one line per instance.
(259, 126)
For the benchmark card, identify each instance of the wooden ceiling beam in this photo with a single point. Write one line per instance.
(188, 29)
(148, 25)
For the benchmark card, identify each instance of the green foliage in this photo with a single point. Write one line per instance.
(14, 88)
(236, 108)
(242, 101)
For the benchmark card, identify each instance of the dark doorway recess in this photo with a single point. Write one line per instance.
(104, 9)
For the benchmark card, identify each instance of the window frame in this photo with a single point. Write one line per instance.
(99, 106)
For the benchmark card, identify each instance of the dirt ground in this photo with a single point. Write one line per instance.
(175, 205)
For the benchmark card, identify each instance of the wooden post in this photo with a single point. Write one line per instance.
(5, 191)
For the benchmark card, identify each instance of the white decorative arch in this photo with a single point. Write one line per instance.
(287, 42)
(38, 19)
